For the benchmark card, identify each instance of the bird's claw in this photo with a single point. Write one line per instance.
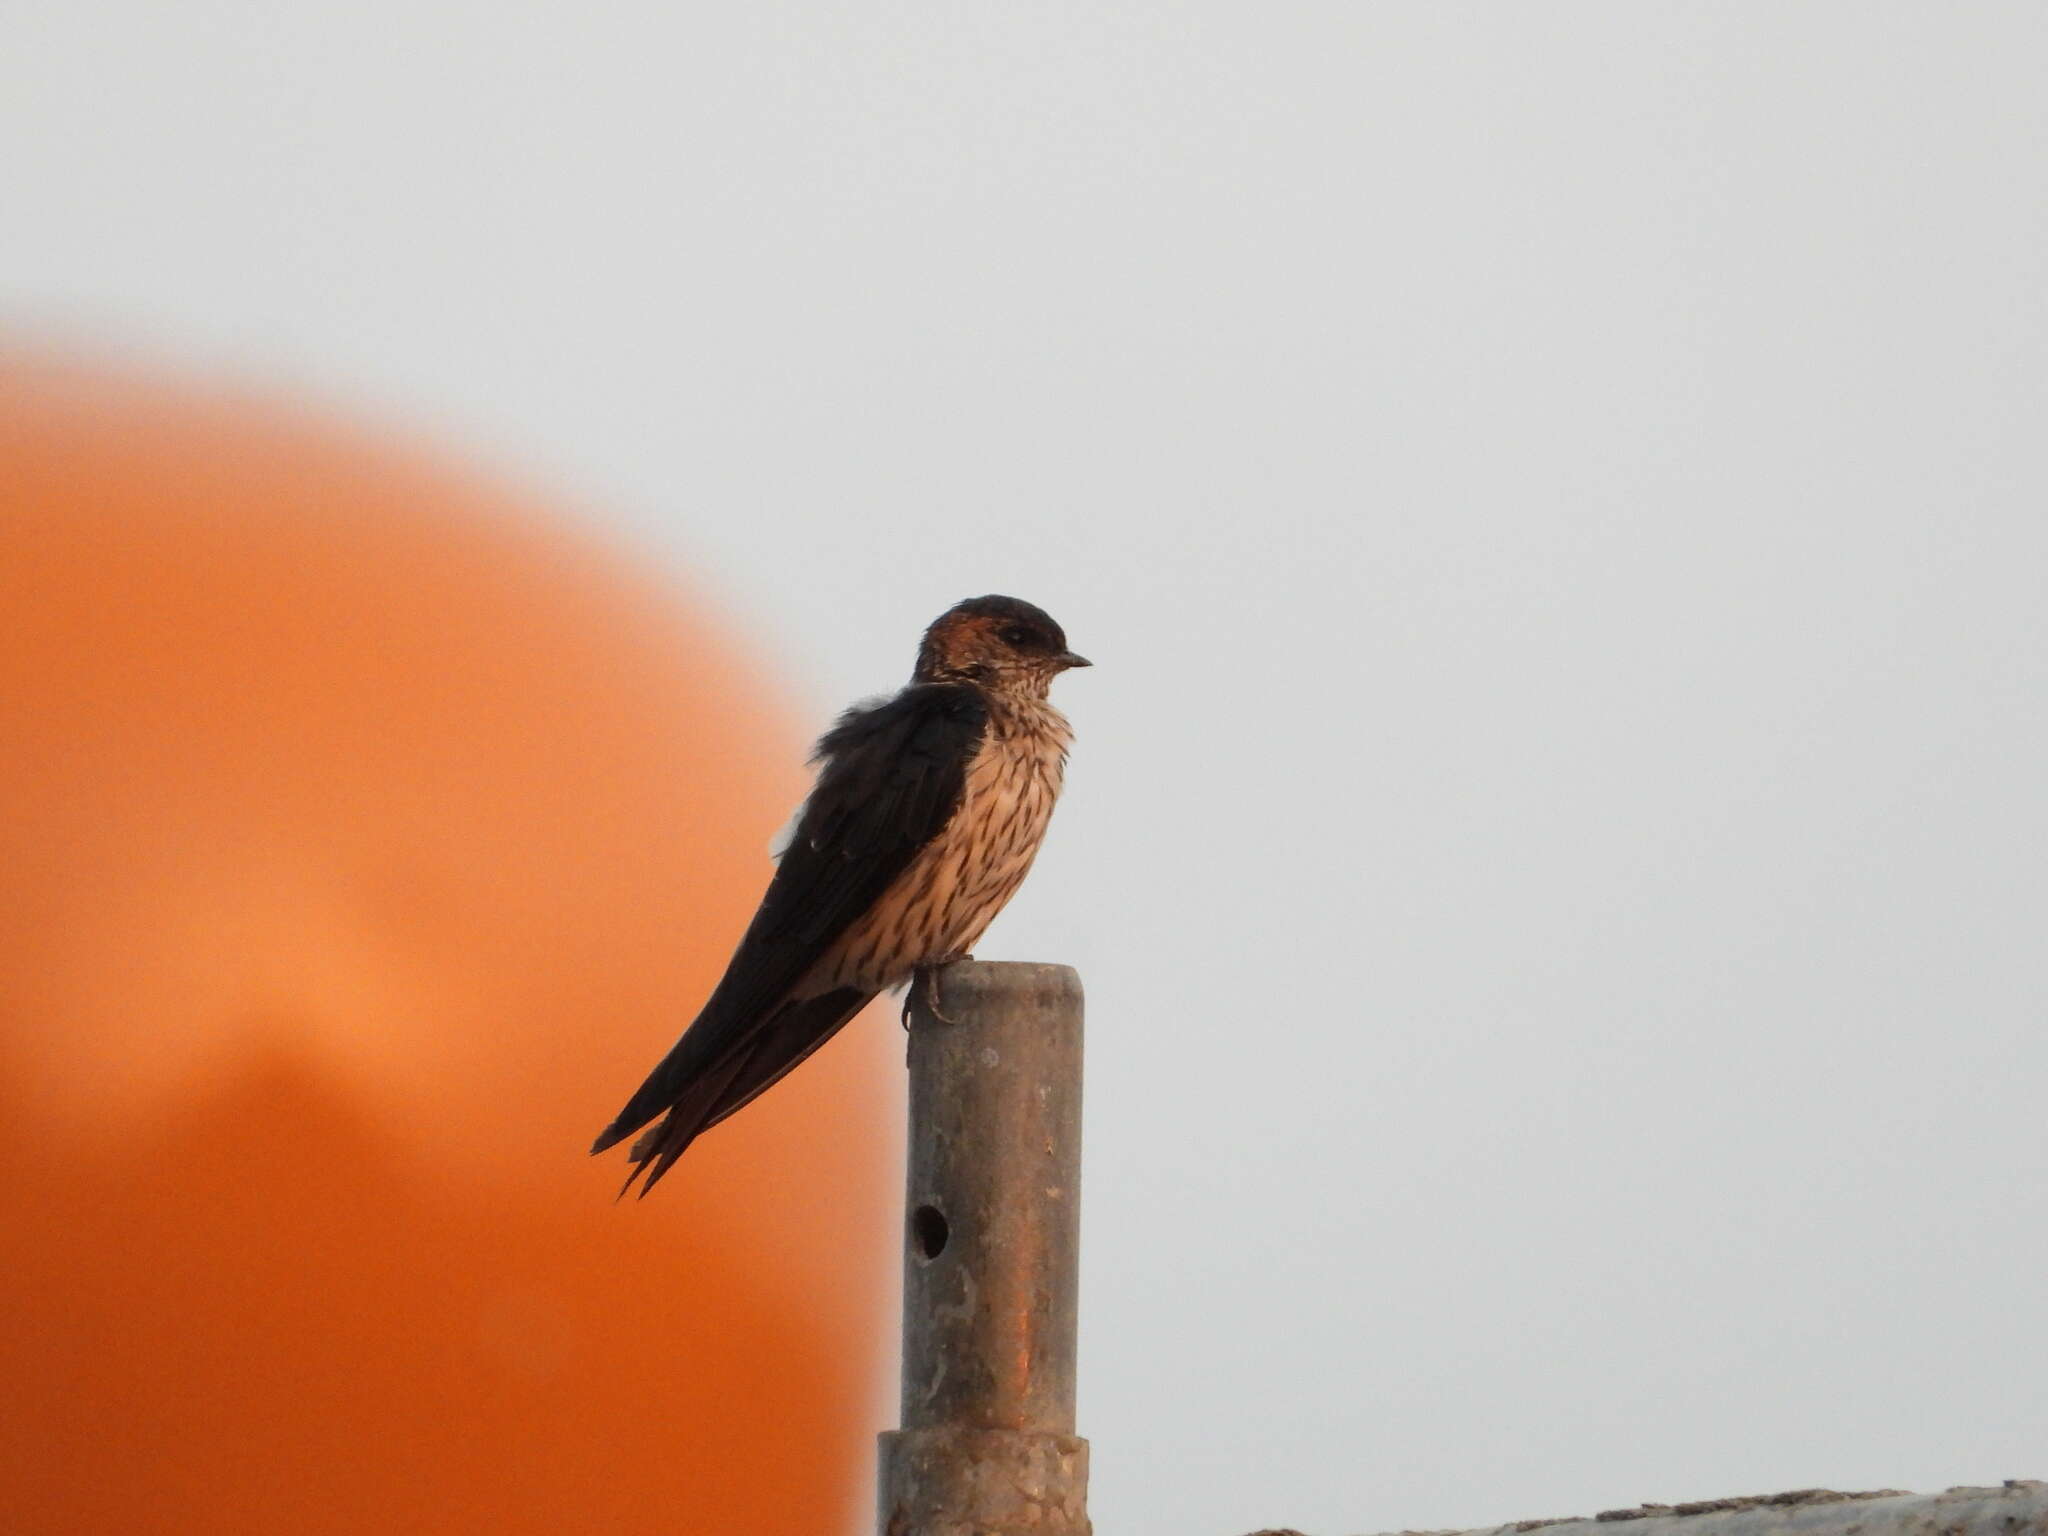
(931, 996)
(927, 977)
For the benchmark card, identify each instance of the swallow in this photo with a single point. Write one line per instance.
(928, 809)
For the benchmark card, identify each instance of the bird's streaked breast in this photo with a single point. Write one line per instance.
(955, 886)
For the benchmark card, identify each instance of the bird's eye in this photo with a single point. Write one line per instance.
(1016, 635)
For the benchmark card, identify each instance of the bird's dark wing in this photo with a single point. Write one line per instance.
(890, 778)
(782, 1041)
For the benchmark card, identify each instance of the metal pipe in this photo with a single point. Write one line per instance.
(991, 1261)
(2018, 1508)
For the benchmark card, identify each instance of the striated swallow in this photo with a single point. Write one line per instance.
(927, 812)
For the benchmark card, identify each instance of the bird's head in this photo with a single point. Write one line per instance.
(998, 642)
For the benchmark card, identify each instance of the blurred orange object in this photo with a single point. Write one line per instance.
(362, 841)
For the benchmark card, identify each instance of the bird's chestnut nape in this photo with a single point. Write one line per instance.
(994, 640)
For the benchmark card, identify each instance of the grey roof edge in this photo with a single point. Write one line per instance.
(2018, 1507)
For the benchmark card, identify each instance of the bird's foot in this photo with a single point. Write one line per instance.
(927, 979)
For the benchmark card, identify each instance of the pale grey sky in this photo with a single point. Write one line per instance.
(1555, 494)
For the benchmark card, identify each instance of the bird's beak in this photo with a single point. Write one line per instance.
(1069, 659)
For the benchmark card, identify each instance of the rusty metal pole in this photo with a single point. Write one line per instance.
(2019, 1508)
(991, 1262)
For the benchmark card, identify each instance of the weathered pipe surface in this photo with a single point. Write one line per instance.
(2017, 1508)
(991, 1262)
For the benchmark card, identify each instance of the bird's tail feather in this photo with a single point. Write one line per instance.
(670, 1136)
(783, 1040)
(797, 1030)
(671, 1078)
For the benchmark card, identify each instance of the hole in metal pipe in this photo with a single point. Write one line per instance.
(930, 1229)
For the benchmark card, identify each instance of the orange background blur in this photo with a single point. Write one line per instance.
(362, 842)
